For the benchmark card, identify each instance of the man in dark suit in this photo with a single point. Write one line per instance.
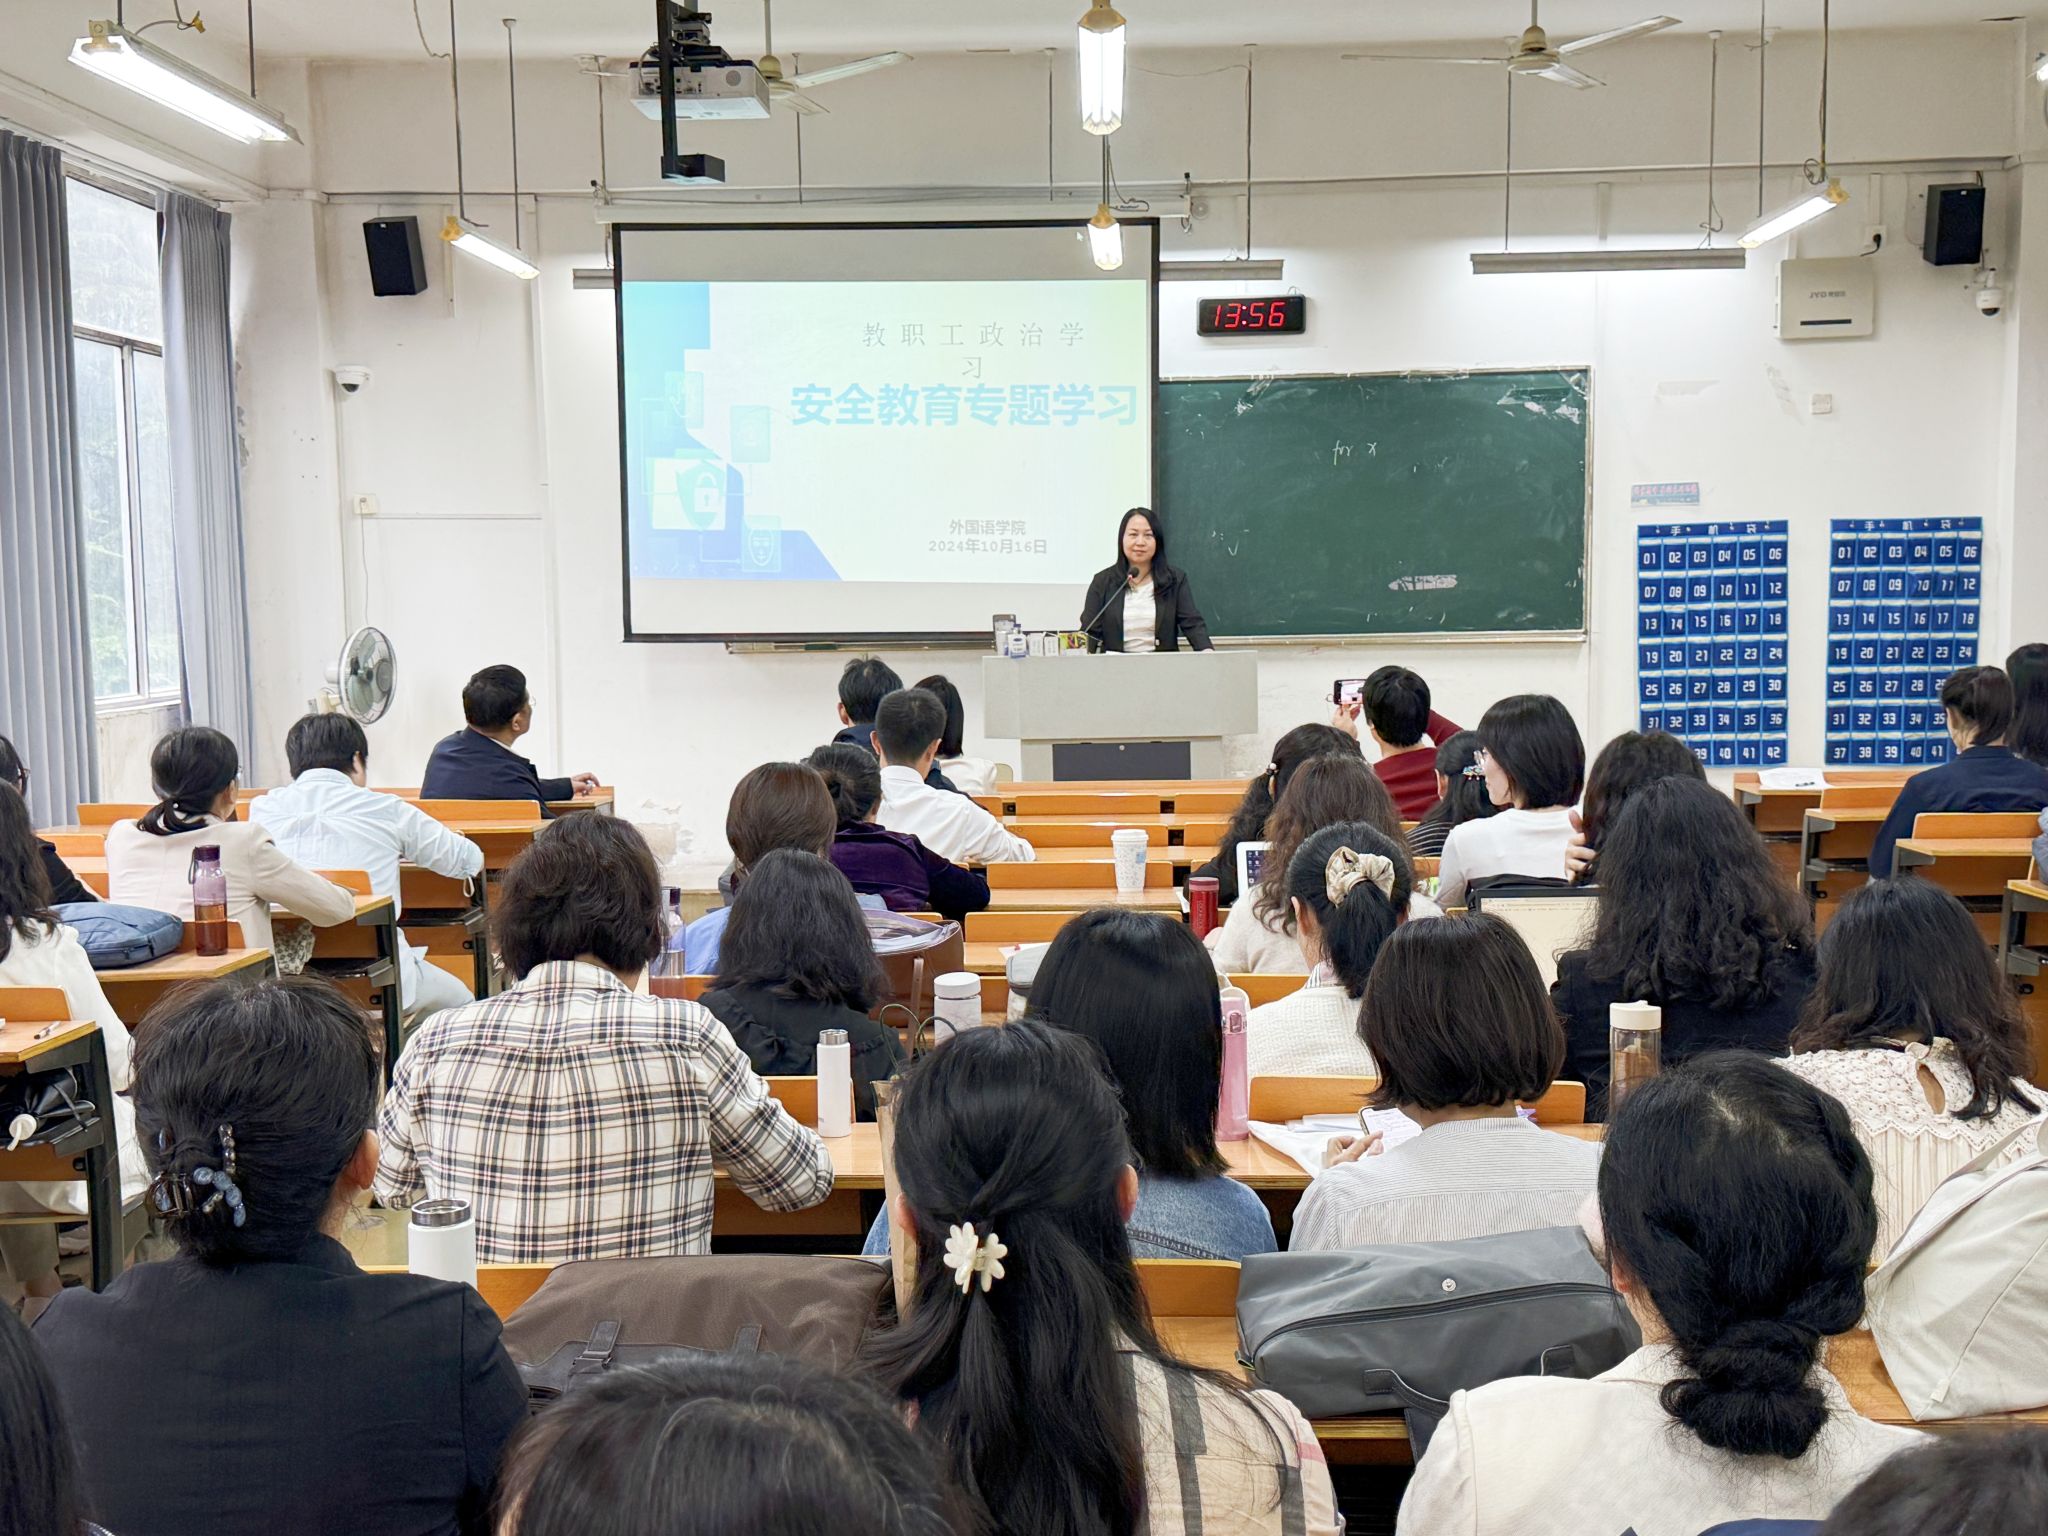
(478, 763)
(863, 683)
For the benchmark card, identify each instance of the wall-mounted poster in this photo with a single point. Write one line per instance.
(1711, 602)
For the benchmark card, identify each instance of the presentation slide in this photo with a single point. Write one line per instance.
(857, 432)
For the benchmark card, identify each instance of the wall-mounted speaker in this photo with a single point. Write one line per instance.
(397, 268)
(1955, 226)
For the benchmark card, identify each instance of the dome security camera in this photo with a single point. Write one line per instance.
(352, 378)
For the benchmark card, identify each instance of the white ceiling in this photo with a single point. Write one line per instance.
(564, 28)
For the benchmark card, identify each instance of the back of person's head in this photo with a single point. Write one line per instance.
(721, 1445)
(1625, 765)
(191, 768)
(1456, 1017)
(908, 724)
(863, 683)
(37, 1458)
(1248, 821)
(13, 771)
(2027, 670)
(24, 883)
(1976, 1484)
(587, 886)
(1736, 1199)
(1981, 698)
(1465, 797)
(1903, 960)
(853, 779)
(796, 928)
(1397, 705)
(249, 1102)
(492, 699)
(1142, 987)
(1533, 738)
(1356, 881)
(1016, 1133)
(941, 688)
(1324, 791)
(779, 805)
(1691, 906)
(325, 741)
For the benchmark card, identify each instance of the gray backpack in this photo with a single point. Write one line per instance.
(1398, 1329)
(114, 937)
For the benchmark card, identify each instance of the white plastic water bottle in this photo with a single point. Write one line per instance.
(1635, 1049)
(441, 1241)
(835, 1083)
(956, 1004)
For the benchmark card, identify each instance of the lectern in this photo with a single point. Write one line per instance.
(1162, 716)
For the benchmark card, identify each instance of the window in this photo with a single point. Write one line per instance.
(124, 467)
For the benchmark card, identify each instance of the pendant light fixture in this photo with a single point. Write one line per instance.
(1101, 35)
(114, 53)
(1825, 194)
(459, 230)
(1105, 235)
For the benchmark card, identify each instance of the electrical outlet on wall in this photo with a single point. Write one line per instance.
(363, 506)
(1823, 405)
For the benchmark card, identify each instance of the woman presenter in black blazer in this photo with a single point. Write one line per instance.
(1141, 604)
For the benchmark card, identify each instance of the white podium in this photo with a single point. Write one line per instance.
(1112, 716)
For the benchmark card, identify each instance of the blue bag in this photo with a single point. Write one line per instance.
(121, 936)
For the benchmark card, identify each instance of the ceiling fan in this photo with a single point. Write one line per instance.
(791, 88)
(1534, 54)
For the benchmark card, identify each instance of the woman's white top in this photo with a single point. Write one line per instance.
(1244, 945)
(1310, 1033)
(1141, 623)
(59, 960)
(1510, 842)
(970, 775)
(1912, 1145)
(1458, 1179)
(144, 870)
(1550, 1456)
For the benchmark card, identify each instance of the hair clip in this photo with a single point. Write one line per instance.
(967, 1255)
(1347, 868)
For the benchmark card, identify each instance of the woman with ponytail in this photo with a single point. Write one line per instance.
(149, 862)
(1737, 1217)
(1347, 889)
(893, 866)
(1027, 1355)
(1248, 821)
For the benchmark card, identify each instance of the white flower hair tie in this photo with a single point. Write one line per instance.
(967, 1254)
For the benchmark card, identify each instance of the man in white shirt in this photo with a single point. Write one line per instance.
(908, 726)
(326, 819)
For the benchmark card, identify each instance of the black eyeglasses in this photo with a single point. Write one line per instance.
(21, 783)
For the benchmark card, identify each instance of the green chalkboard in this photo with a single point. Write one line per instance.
(1375, 504)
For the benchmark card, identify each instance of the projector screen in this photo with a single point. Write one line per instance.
(861, 433)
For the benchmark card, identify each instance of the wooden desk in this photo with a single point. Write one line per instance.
(374, 967)
(81, 1047)
(1834, 854)
(1967, 866)
(502, 838)
(1058, 898)
(136, 989)
(2024, 961)
(1778, 814)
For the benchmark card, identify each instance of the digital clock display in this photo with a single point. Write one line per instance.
(1286, 315)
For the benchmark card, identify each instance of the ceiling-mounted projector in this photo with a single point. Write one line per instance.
(712, 90)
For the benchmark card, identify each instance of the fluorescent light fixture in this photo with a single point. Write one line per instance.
(1522, 263)
(1227, 271)
(1102, 69)
(114, 53)
(1802, 210)
(465, 237)
(1106, 239)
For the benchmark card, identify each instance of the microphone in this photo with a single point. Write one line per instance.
(1114, 597)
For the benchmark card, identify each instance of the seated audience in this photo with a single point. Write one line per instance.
(1248, 822)
(894, 866)
(579, 1118)
(1461, 795)
(1911, 1026)
(45, 1495)
(2027, 669)
(968, 775)
(1624, 765)
(863, 683)
(1974, 1484)
(1259, 936)
(255, 1383)
(1027, 1357)
(1984, 775)
(326, 819)
(1693, 916)
(1456, 1019)
(65, 887)
(478, 763)
(1535, 765)
(149, 862)
(1737, 1216)
(907, 730)
(1395, 708)
(1347, 891)
(778, 805)
(723, 1445)
(796, 960)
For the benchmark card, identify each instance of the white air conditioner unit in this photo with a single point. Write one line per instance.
(1819, 300)
(710, 92)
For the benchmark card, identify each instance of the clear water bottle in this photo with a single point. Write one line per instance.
(1234, 1098)
(209, 900)
(671, 965)
(1635, 1049)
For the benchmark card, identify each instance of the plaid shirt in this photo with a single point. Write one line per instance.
(582, 1121)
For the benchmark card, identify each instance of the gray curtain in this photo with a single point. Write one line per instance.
(46, 704)
(206, 479)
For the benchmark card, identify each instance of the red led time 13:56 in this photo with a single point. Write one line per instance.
(1286, 315)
